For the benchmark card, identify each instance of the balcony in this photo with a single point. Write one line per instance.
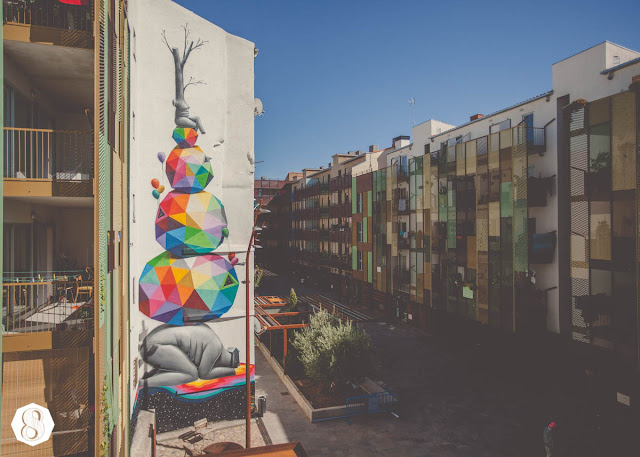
(533, 136)
(403, 205)
(324, 235)
(403, 243)
(538, 189)
(342, 235)
(403, 175)
(340, 183)
(56, 22)
(340, 261)
(340, 210)
(542, 247)
(37, 305)
(324, 212)
(401, 277)
(45, 163)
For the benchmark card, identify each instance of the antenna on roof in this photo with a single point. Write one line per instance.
(412, 102)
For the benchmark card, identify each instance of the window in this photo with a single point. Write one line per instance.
(360, 239)
(359, 207)
(360, 267)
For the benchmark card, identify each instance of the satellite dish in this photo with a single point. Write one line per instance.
(258, 110)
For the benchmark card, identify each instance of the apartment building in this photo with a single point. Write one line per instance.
(322, 211)
(266, 189)
(523, 220)
(65, 255)
(275, 238)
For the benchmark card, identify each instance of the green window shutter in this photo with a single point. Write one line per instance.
(354, 258)
(354, 196)
(365, 238)
(370, 266)
(369, 204)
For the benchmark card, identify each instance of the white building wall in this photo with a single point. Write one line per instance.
(225, 104)
(579, 76)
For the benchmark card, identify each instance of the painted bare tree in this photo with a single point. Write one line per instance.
(182, 117)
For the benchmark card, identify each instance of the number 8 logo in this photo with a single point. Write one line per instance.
(33, 425)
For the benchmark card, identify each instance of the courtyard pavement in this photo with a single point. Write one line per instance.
(459, 397)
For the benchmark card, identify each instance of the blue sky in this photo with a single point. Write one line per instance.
(335, 76)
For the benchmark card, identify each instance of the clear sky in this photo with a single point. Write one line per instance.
(336, 76)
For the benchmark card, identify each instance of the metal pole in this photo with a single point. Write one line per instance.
(248, 346)
(248, 329)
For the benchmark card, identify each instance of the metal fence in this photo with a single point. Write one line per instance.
(59, 155)
(29, 307)
(49, 13)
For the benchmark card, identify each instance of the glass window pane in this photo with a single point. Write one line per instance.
(600, 230)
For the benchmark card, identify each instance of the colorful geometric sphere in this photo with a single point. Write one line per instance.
(189, 170)
(185, 137)
(187, 291)
(190, 224)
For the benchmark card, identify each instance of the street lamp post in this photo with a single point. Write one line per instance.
(257, 211)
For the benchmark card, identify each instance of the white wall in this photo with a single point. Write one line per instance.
(225, 105)
(580, 75)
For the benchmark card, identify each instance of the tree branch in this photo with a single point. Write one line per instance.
(164, 39)
(193, 83)
(186, 37)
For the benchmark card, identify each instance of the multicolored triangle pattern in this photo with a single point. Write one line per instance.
(185, 137)
(190, 224)
(188, 169)
(187, 291)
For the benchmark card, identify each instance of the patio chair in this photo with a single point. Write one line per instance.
(83, 290)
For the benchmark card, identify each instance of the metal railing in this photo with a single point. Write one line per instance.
(402, 276)
(44, 306)
(57, 155)
(49, 13)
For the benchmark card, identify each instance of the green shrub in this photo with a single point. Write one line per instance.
(332, 351)
(257, 276)
(293, 300)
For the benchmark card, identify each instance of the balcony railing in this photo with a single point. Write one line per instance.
(340, 261)
(401, 276)
(343, 236)
(49, 13)
(56, 155)
(403, 243)
(340, 210)
(46, 305)
(403, 174)
(340, 183)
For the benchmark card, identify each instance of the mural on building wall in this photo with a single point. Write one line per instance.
(187, 288)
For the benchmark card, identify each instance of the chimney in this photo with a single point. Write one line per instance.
(373, 147)
(475, 117)
(401, 141)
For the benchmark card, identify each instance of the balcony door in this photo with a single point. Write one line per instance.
(27, 251)
(527, 120)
